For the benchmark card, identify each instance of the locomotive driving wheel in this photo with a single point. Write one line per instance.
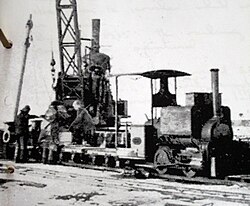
(188, 172)
(162, 159)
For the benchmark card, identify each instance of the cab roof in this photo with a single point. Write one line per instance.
(156, 74)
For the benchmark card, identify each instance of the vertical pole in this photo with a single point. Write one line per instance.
(175, 86)
(29, 26)
(116, 110)
(126, 135)
(152, 110)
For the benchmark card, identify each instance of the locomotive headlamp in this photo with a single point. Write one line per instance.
(137, 140)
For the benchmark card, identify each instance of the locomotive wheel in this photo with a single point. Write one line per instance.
(162, 160)
(189, 172)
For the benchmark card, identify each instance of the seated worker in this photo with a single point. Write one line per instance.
(82, 124)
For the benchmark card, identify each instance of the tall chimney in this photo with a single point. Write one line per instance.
(95, 35)
(215, 91)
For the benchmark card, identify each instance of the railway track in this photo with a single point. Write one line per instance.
(150, 173)
(170, 188)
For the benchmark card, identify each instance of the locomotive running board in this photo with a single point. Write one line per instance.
(239, 178)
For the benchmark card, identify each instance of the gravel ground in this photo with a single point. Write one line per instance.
(38, 184)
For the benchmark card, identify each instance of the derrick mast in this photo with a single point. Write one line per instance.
(70, 78)
(88, 83)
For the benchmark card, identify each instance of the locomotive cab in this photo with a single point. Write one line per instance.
(187, 133)
(145, 138)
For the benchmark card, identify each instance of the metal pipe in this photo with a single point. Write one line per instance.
(95, 44)
(215, 91)
(152, 109)
(126, 135)
(116, 110)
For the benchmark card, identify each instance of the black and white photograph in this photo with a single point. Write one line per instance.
(124, 102)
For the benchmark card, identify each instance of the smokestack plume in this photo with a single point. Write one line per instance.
(215, 91)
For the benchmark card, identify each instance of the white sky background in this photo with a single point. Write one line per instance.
(139, 35)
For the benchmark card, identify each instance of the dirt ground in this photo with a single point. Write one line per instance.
(38, 184)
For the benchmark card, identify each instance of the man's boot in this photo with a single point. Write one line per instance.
(50, 157)
(44, 155)
(17, 154)
(22, 156)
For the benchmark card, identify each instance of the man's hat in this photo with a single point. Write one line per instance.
(26, 108)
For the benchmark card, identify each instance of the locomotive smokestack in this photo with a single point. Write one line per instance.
(95, 35)
(215, 91)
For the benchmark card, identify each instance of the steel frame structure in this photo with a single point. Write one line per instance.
(71, 76)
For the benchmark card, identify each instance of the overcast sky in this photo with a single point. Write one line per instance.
(139, 35)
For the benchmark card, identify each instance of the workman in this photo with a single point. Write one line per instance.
(82, 125)
(22, 134)
(56, 115)
(35, 130)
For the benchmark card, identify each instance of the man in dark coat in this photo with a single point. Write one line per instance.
(82, 124)
(22, 133)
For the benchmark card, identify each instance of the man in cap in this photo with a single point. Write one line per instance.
(22, 134)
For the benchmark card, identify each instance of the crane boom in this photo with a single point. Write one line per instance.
(91, 84)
